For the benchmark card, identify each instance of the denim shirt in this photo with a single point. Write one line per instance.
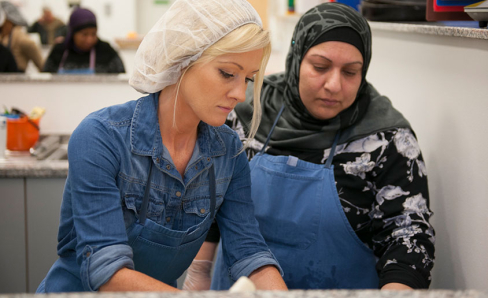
(109, 157)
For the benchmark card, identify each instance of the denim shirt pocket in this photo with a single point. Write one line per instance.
(155, 208)
(199, 206)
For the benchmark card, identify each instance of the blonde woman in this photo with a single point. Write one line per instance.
(148, 177)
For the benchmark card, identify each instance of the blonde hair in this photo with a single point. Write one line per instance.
(247, 38)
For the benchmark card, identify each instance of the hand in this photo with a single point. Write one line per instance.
(396, 287)
(198, 276)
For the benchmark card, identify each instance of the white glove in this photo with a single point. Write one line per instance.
(198, 276)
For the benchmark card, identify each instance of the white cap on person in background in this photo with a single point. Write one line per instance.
(2, 17)
(13, 14)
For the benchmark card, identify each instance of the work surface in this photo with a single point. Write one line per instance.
(269, 294)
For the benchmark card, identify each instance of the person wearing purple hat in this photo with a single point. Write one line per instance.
(82, 51)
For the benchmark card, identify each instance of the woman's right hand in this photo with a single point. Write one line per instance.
(198, 276)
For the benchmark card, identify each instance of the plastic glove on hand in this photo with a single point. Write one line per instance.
(198, 276)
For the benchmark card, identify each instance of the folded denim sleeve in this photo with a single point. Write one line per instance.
(97, 268)
(248, 265)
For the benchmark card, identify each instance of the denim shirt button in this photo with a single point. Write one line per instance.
(202, 211)
(208, 158)
(168, 167)
(196, 167)
(88, 254)
(178, 194)
(168, 219)
(157, 159)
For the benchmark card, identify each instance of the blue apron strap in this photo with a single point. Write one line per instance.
(272, 128)
(145, 201)
(332, 150)
(213, 192)
(93, 56)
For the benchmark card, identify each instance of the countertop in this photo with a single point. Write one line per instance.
(22, 164)
(270, 294)
(43, 77)
(452, 29)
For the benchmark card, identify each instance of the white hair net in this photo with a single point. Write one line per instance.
(180, 37)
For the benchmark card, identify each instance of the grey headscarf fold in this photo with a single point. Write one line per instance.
(297, 129)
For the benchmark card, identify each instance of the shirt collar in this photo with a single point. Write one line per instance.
(145, 136)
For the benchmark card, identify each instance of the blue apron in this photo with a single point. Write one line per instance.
(90, 70)
(162, 253)
(159, 252)
(301, 218)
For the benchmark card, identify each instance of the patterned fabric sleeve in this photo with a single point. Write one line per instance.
(402, 236)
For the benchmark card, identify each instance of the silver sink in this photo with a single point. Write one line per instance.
(51, 147)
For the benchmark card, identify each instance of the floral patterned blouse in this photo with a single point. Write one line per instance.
(382, 184)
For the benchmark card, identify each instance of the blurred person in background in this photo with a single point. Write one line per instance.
(51, 29)
(82, 52)
(7, 60)
(15, 39)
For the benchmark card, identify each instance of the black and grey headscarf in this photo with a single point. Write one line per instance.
(297, 129)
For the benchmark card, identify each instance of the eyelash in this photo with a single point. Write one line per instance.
(347, 73)
(228, 76)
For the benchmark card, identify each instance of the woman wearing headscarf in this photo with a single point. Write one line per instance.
(338, 180)
(82, 51)
(147, 178)
(15, 39)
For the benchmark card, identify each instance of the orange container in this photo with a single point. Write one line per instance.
(21, 134)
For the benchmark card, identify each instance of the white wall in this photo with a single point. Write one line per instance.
(115, 17)
(147, 13)
(440, 85)
(66, 104)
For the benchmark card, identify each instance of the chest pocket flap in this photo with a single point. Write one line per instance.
(199, 206)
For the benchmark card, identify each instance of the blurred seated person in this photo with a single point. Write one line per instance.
(51, 29)
(82, 52)
(7, 60)
(16, 40)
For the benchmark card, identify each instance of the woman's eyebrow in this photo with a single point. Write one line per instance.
(237, 64)
(323, 57)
